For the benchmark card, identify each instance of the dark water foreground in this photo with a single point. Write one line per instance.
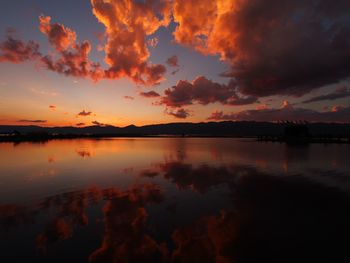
(174, 200)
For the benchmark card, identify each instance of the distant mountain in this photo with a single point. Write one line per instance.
(226, 128)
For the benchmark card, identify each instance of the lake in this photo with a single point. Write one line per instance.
(174, 200)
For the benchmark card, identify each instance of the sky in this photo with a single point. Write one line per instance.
(122, 62)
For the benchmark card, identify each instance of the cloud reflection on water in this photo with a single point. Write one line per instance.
(270, 218)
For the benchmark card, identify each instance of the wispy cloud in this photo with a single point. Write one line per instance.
(337, 114)
(149, 94)
(32, 121)
(340, 93)
(173, 61)
(43, 92)
(52, 107)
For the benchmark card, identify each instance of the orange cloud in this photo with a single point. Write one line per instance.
(127, 24)
(59, 36)
(72, 58)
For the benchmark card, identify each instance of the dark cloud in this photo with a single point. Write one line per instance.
(53, 107)
(274, 47)
(203, 91)
(128, 97)
(98, 123)
(338, 114)
(175, 71)
(16, 51)
(338, 94)
(148, 173)
(149, 94)
(173, 61)
(85, 113)
(178, 113)
(80, 124)
(34, 121)
(185, 175)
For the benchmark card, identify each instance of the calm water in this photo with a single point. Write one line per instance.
(174, 200)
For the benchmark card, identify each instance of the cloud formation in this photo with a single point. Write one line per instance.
(340, 93)
(178, 113)
(16, 51)
(127, 24)
(203, 91)
(99, 123)
(72, 58)
(337, 114)
(149, 94)
(173, 61)
(284, 47)
(128, 97)
(33, 121)
(52, 107)
(58, 35)
(85, 113)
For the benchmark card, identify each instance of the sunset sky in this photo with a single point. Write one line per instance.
(123, 62)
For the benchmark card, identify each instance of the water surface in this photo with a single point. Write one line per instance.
(174, 200)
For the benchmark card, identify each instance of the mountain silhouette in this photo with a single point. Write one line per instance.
(225, 128)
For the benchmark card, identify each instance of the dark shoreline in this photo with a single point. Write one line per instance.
(289, 132)
(261, 138)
